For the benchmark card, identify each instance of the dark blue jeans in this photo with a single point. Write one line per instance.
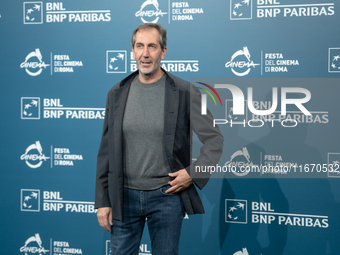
(164, 215)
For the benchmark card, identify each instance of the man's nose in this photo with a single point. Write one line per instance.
(146, 52)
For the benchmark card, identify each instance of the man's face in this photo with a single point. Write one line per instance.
(148, 52)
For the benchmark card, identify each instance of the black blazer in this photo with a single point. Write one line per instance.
(181, 116)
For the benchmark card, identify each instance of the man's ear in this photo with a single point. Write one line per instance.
(163, 53)
(133, 54)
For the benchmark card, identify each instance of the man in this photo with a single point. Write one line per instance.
(144, 159)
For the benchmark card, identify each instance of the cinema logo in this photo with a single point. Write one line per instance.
(239, 107)
(240, 63)
(33, 63)
(154, 10)
(244, 251)
(236, 211)
(34, 156)
(150, 12)
(33, 245)
(240, 158)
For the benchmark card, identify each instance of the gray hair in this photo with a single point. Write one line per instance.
(160, 29)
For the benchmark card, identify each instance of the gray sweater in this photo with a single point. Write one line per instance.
(145, 163)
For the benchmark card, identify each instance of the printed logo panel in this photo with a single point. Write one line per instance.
(236, 211)
(30, 200)
(334, 60)
(33, 13)
(116, 61)
(240, 9)
(30, 108)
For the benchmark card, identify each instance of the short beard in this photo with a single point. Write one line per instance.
(150, 74)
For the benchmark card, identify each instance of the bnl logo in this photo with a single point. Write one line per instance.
(236, 211)
(30, 200)
(334, 60)
(30, 108)
(116, 61)
(239, 99)
(240, 9)
(33, 13)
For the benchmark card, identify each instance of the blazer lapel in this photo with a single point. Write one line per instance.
(170, 117)
(120, 98)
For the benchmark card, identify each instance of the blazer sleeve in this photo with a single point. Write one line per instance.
(210, 137)
(101, 190)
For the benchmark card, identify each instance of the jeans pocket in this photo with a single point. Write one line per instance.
(164, 188)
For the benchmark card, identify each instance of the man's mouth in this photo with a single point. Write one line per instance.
(146, 62)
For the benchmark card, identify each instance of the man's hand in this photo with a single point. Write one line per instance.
(181, 182)
(104, 215)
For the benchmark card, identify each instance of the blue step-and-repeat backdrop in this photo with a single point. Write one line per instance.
(275, 65)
